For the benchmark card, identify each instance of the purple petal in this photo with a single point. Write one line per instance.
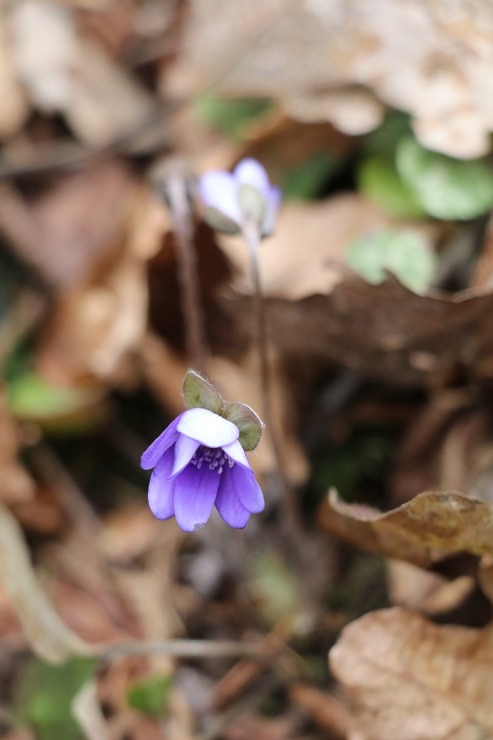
(273, 202)
(244, 485)
(229, 505)
(161, 488)
(207, 428)
(250, 172)
(195, 493)
(185, 449)
(151, 456)
(219, 190)
(236, 452)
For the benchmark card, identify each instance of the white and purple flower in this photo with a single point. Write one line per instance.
(199, 462)
(234, 201)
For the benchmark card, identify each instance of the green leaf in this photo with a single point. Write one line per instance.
(306, 181)
(275, 589)
(44, 694)
(151, 695)
(229, 116)
(446, 188)
(380, 182)
(33, 398)
(403, 253)
(384, 140)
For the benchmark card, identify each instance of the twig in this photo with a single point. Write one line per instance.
(179, 648)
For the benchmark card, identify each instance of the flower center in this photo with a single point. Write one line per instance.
(214, 458)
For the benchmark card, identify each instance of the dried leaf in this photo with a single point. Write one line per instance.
(45, 51)
(88, 713)
(411, 55)
(386, 331)
(325, 229)
(421, 531)
(426, 592)
(240, 380)
(105, 103)
(352, 110)
(410, 679)
(15, 106)
(318, 310)
(74, 228)
(328, 712)
(49, 637)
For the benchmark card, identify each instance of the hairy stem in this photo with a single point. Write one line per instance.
(174, 185)
(290, 510)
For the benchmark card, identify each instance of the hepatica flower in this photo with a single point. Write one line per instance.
(199, 462)
(241, 200)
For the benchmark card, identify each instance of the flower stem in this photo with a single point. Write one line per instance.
(290, 511)
(173, 181)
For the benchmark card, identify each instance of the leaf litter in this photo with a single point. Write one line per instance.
(378, 298)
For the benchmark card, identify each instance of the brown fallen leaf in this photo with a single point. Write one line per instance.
(421, 531)
(97, 323)
(387, 332)
(238, 380)
(45, 51)
(411, 56)
(327, 711)
(71, 231)
(410, 679)
(426, 592)
(106, 102)
(306, 254)
(420, 454)
(351, 109)
(49, 637)
(321, 312)
(88, 713)
(15, 105)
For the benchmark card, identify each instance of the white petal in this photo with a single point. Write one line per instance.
(236, 452)
(220, 191)
(207, 428)
(185, 449)
(250, 172)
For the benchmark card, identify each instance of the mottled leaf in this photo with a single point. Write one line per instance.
(446, 188)
(402, 252)
(379, 180)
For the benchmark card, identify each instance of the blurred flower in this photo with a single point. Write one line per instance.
(241, 200)
(199, 462)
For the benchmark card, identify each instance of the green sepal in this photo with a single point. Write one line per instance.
(199, 393)
(252, 203)
(220, 222)
(248, 423)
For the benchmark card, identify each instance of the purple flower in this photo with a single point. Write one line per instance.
(235, 200)
(199, 462)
